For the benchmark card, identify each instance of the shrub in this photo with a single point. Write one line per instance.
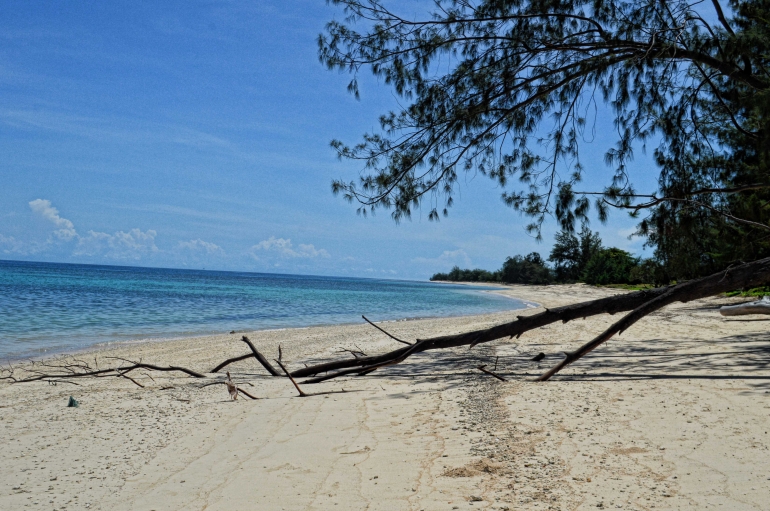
(649, 271)
(530, 269)
(459, 275)
(609, 266)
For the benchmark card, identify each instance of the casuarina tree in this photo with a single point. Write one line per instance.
(509, 88)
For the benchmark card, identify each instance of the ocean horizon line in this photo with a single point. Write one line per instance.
(250, 272)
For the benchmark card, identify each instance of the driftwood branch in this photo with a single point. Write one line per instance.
(262, 360)
(142, 365)
(361, 371)
(230, 361)
(356, 352)
(641, 303)
(757, 307)
(247, 394)
(67, 371)
(124, 375)
(608, 305)
(296, 386)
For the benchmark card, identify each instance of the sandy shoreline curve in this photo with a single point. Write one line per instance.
(673, 414)
(45, 353)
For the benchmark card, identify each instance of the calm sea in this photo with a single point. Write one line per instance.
(47, 307)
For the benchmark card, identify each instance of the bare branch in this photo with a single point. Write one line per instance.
(386, 333)
(721, 16)
(487, 371)
(262, 360)
(288, 375)
(230, 361)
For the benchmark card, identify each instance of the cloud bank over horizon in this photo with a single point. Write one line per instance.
(135, 245)
(56, 238)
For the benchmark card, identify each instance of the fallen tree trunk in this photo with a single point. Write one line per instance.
(261, 358)
(640, 303)
(609, 305)
(403, 354)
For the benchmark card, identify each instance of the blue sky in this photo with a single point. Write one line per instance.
(196, 134)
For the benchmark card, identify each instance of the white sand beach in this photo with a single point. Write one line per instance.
(673, 414)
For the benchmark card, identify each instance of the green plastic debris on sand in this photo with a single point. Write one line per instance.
(72, 403)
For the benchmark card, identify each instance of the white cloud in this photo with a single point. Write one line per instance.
(122, 245)
(66, 229)
(199, 246)
(11, 245)
(284, 248)
(447, 259)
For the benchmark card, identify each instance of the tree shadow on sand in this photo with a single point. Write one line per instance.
(739, 357)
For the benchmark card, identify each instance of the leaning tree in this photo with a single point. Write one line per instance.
(507, 88)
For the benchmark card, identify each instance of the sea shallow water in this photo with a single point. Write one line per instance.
(49, 307)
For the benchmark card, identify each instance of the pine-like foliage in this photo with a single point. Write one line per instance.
(706, 230)
(509, 88)
(570, 254)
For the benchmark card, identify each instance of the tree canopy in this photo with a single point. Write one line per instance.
(609, 266)
(530, 269)
(575, 258)
(570, 254)
(507, 88)
(456, 274)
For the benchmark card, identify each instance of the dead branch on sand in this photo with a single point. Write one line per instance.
(58, 371)
(490, 373)
(254, 353)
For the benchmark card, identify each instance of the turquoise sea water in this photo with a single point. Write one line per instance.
(48, 307)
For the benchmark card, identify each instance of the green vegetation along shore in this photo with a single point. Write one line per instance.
(577, 257)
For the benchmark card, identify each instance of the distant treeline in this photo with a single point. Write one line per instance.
(574, 258)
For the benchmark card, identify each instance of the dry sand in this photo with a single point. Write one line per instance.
(672, 415)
